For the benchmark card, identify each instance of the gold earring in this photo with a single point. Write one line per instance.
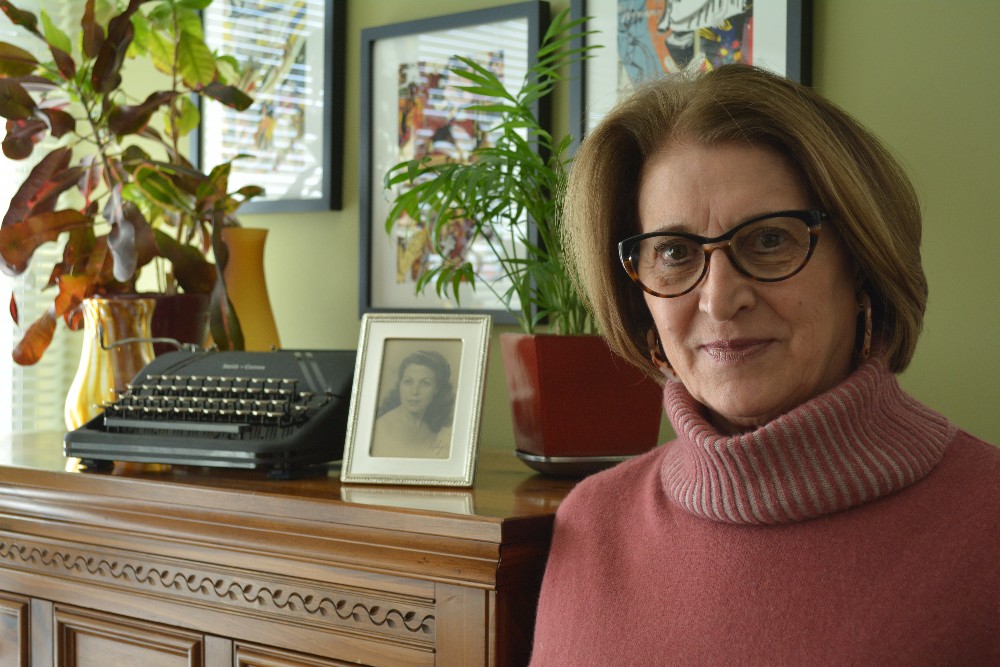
(866, 344)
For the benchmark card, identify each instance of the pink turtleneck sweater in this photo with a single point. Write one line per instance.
(859, 529)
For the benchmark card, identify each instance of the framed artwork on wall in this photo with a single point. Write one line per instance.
(417, 400)
(291, 139)
(413, 107)
(647, 38)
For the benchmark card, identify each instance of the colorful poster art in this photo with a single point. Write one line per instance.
(435, 122)
(641, 39)
(657, 36)
(415, 106)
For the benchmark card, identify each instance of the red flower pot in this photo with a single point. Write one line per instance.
(576, 405)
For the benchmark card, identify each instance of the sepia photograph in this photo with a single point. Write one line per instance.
(416, 405)
(416, 399)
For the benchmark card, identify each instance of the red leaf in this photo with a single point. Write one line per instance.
(124, 217)
(72, 291)
(64, 62)
(60, 122)
(130, 119)
(107, 68)
(20, 17)
(36, 340)
(15, 61)
(93, 33)
(90, 178)
(15, 102)
(193, 272)
(18, 242)
(228, 95)
(26, 196)
(22, 135)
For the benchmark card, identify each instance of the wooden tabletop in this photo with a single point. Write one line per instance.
(506, 491)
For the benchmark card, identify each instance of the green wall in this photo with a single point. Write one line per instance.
(920, 73)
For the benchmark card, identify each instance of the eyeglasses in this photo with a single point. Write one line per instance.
(767, 248)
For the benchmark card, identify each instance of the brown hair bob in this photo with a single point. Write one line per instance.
(850, 174)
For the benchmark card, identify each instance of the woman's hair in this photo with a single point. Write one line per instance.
(439, 412)
(846, 170)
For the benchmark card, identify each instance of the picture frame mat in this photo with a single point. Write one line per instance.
(778, 46)
(379, 329)
(320, 186)
(384, 49)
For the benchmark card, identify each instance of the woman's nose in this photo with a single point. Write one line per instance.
(725, 291)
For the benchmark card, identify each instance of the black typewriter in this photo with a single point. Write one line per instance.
(282, 411)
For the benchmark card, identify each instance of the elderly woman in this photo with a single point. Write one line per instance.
(747, 241)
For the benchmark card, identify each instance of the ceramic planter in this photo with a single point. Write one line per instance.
(576, 405)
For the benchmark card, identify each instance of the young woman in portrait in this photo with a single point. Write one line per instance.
(414, 419)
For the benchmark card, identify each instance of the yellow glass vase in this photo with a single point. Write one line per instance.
(105, 373)
(247, 288)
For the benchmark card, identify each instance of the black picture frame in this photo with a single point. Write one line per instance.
(305, 170)
(375, 295)
(789, 23)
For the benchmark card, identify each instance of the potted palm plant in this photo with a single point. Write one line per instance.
(116, 186)
(563, 384)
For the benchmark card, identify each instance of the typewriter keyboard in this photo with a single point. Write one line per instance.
(232, 406)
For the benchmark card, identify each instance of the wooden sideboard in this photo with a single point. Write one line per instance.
(191, 566)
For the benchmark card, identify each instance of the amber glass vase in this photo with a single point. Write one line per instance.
(104, 373)
(247, 288)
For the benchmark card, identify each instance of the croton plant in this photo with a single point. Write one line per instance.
(114, 180)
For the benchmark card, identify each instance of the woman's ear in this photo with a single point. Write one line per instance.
(658, 356)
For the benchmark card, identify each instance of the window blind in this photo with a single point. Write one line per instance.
(32, 397)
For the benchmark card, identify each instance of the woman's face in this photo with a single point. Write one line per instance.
(749, 351)
(416, 388)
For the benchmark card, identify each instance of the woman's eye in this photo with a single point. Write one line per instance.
(770, 239)
(672, 253)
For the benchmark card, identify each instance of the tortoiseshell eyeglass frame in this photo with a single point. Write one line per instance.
(812, 218)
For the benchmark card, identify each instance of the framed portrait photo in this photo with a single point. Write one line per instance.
(641, 39)
(413, 106)
(417, 401)
(290, 140)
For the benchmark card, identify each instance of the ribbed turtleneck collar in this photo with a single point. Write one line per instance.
(862, 440)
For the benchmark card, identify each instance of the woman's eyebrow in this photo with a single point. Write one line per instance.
(673, 227)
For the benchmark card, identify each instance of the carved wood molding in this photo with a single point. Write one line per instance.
(303, 601)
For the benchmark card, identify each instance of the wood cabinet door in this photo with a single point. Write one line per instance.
(248, 655)
(13, 630)
(91, 639)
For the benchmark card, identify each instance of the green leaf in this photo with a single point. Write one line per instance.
(160, 191)
(189, 22)
(187, 118)
(53, 35)
(161, 51)
(195, 61)
(194, 5)
(227, 68)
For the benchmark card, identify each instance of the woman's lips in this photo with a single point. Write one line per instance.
(732, 351)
